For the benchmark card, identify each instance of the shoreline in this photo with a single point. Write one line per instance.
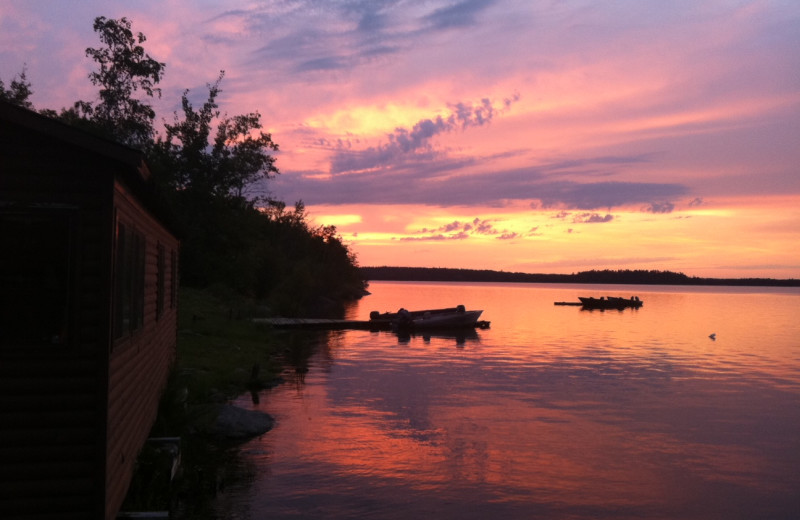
(621, 277)
(222, 354)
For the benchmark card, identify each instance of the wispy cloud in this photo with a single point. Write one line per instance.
(593, 218)
(660, 207)
(397, 105)
(433, 180)
(458, 15)
(596, 195)
(403, 144)
(458, 230)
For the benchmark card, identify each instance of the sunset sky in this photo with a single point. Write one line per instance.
(517, 135)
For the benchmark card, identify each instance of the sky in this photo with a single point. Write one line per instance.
(516, 135)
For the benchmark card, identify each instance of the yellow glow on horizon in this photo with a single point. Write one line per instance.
(699, 241)
(372, 120)
(379, 119)
(371, 238)
(338, 220)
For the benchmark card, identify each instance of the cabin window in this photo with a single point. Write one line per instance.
(128, 281)
(35, 276)
(173, 281)
(160, 286)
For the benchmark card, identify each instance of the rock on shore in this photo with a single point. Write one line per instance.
(236, 423)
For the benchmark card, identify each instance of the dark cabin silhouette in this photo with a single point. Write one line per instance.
(88, 317)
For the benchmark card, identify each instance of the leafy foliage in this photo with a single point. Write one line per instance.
(237, 157)
(256, 246)
(204, 164)
(18, 92)
(124, 68)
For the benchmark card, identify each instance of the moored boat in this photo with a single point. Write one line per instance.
(454, 317)
(611, 302)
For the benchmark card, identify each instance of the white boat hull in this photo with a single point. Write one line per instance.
(449, 320)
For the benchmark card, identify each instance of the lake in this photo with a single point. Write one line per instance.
(552, 412)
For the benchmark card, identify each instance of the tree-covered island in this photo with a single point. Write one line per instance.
(605, 276)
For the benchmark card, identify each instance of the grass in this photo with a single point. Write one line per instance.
(221, 354)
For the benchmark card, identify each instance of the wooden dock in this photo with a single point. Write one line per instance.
(329, 324)
(323, 324)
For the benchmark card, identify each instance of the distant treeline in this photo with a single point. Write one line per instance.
(633, 277)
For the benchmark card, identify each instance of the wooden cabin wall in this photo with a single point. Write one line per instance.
(75, 411)
(52, 403)
(139, 362)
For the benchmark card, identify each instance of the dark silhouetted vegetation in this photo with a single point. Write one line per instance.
(18, 91)
(633, 277)
(202, 166)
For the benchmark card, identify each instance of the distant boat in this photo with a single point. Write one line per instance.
(454, 317)
(611, 302)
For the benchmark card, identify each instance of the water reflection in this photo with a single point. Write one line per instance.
(459, 336)
(552, 412)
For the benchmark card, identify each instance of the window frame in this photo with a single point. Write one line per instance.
(129, 274)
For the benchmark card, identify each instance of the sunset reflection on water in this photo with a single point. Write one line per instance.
(553, 411)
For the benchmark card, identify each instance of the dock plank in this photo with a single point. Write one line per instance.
(331, 324)
(322, 324)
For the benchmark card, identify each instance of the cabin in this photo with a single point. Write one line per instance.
(88, 317)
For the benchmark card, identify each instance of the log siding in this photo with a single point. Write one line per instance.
(76, 404)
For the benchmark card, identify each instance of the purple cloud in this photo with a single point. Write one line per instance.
(458, 15)
(413, 144)
(457, 230)
(660, 207)
(592, 218)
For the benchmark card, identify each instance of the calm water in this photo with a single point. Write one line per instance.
(554, 412)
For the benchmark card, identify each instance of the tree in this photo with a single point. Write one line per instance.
(205, 162)
(241, 153)
(238, 155)
(124, 69)
(183, 153)
(19, 91)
